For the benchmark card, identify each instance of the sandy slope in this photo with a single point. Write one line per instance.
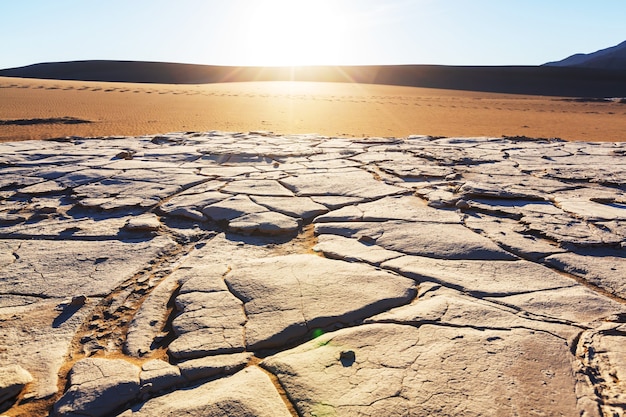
(333, 109)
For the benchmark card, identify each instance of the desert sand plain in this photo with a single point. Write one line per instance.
(331, 109)
(364, 270)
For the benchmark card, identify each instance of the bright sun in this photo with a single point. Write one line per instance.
(293, 32)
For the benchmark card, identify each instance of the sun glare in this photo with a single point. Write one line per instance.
(293, 32)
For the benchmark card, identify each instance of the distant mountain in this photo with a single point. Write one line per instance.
(613, 58)
(534, 80)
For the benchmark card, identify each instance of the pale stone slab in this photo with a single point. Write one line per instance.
(380, 369)
(440, 305)
(512, 236)
(85, 176)
(440, 197)
(232, 208)
(257, 187)
(495, 190)
(565, 229)
(365, 231)
(590, 210)
(46, 187)
(52, 269)
(444, 241)
(266, 223)
(13, 378)
(576, 304)
(209, 323)
(286, 297)
(347, 183)
(60, 227)
(406, 208)
(157, 375)
(607, 272)
(603, 357)
(299, 207)
(481, 278)
(115, 193)
(226, 172)
(334, 202)
(352, 250)
(520, 186)
(513, 207)
(350, 213)
(98, 387)
(25, 329)
(248, 393)
(144, 222)
(616, 228)
(415, 169)
(148, 324)
(191, 205)
(211, 366)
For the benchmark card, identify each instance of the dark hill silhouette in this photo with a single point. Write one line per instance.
(613, 58)
(535, 80)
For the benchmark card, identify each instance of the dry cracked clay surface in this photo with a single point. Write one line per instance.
(249, 274)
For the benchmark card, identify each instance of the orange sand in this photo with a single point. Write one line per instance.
(332, 109)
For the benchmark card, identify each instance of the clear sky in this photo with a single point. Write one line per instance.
(308, 32)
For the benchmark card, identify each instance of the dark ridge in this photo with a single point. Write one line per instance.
(532, 80)
(50, 121)
(613, 58)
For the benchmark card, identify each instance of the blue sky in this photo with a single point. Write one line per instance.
(303, 32)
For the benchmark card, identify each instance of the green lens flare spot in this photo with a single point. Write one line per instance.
(317, 333)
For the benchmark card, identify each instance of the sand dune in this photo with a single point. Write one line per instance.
(333, 109)
(556, 81)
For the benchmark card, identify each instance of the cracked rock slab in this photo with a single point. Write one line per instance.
(391, 369)
(606, 272)
(404, 208)
(267, 223)
(98, 387)
(434, 240)
(345, 183)
(149, 322)
(250, 392)
(298, 207)
(481, 278)
(510, 235)
(38, 337)
(257, 187)
(75, 267)
(232, 208)
(443, 241)
(446, 307)
(209, 323)
(603, 361)
(591, 210)
(286, 297)
(352, 250)
(13, 379)
(211, 366)
(574, 304)
(157, 375)
(190, 203)
(198, 245)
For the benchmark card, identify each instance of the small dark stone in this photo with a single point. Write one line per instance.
(367, 240)
(128, 155)
(462, 204)
(78, 300)
(347, 357)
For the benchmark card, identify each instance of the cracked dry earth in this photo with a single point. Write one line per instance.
(230, 274)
